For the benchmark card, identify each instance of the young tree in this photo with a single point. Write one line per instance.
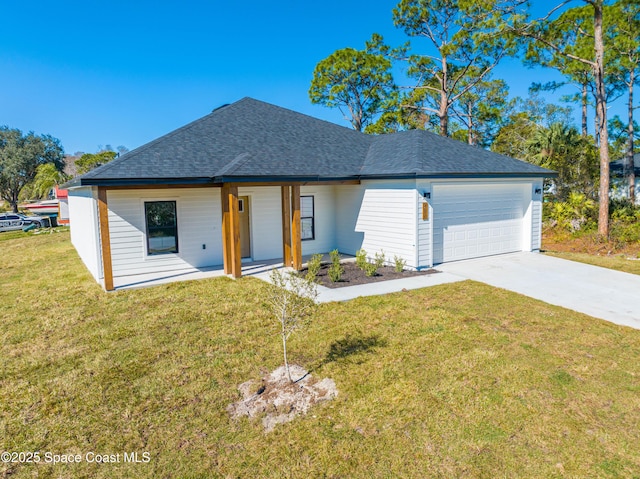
(546, 35)
(359, 81)
(20, 156)
(292, 300)
(469, 39)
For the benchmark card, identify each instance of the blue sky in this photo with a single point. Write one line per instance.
(125, 72)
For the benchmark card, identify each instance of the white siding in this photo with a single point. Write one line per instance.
(83, 213)
(199, 224)
(324, 218)
(536, 216)
(425, 227)
(348, 199)
(388, 218)
(620, 187)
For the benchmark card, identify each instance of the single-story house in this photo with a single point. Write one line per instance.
(256, 181)
(619, 184)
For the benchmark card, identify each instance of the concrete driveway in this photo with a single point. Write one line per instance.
(599, 292)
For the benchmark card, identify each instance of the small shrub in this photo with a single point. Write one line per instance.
(624, 232)
(577, 213)
(371, 269)
(313, 267)
(399, 264)
(624, 210)
(335, 270)
(361, 259)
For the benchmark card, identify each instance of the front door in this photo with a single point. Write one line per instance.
(245, 222)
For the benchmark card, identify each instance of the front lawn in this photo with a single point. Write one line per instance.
(588, 248)
(458, 380)
(620, 262)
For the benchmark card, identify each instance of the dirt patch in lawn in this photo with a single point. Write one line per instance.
(353, 275)
(279, 400)
(564, 242)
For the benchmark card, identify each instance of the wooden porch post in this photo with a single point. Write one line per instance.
(296, 243)
(285, 195)
(105, 240)
(234, 232)
(226, 229)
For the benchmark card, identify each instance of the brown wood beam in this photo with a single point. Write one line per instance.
(105, 240)
(296, 242)
(226, 229)
(234, 232)
(285, 197)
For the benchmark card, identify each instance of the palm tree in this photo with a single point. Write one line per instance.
(561, 148)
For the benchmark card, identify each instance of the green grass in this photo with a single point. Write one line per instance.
(458, 380)
(618, 262)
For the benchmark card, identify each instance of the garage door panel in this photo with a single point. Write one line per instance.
(477, 220)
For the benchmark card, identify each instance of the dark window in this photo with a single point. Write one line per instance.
(307, 222)
(162, 227)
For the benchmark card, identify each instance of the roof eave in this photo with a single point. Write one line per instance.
(80, 182)
(466, 175)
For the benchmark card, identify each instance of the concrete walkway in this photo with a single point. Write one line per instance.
(599, 292)
(345, 293)
(603, 293)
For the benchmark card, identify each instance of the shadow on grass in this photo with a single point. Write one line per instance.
(351, 346)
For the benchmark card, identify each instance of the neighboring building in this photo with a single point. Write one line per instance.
(253, 180)
(619, 184)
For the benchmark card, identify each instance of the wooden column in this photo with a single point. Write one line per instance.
(296, 242)
(234, 233)
(285, 198)
(226, 229)
(105, 240)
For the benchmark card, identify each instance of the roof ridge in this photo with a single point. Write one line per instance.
(238, 161)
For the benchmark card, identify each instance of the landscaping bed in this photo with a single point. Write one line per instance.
(353, 275)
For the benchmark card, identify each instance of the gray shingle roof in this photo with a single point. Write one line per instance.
(255, 141)
(617, 167)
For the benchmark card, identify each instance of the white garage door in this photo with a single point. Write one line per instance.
(472, 220)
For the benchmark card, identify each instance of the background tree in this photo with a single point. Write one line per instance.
(358, 82)
(512, 139)
(89, 161)
(480, 111)
(469, 39)
(626, 45)
(525, 117)
(47, 177)
(548, 35)
(562, 148)
(619, 136)
(20, 156)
